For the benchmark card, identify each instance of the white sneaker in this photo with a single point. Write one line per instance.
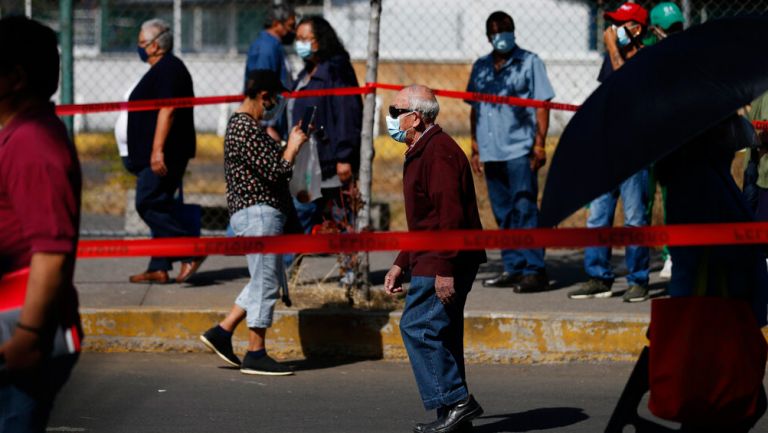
(666, 271)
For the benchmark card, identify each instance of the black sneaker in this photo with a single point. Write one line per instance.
(504, 279)
(593, 288)
(636, 293)
(221, 344)
(265, 366)
(533, 283)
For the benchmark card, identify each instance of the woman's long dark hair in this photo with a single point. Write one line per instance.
(328, 43)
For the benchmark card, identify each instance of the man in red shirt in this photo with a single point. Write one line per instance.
(40, 184)
(439, 195)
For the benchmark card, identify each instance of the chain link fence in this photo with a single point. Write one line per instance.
(431, 42)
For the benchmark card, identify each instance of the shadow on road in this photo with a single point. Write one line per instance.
(216, 276)
(537, 419)
(331, 336)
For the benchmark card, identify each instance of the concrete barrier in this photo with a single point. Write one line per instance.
(489, 337)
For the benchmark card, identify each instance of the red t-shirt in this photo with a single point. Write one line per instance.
(40, 183)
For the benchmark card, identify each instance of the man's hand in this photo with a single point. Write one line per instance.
(538, 157)
(344, 171)
(474, 159)
(22, 351)
(474, 162)
(393, 281)
(157, 163)
(444, 289)
(610, 37)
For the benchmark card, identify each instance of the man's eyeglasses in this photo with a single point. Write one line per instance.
(397, 112)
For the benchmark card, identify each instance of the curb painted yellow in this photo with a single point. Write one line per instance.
(489, 337)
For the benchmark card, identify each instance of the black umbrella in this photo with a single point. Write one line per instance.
(660, 99)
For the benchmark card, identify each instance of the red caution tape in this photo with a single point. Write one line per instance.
(672, 235)
(155, 104)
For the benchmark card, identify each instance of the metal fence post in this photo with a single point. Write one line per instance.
(177, 27)
(366, 145)
(67, 60)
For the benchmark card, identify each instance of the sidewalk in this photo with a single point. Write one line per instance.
(501, 326)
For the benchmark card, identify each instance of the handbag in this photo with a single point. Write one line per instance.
(707, 360)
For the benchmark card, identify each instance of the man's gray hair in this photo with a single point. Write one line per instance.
(160, 31)
(279, 12)
(422, 100)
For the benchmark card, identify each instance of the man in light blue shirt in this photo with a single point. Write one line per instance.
(508, 145)
(266, 52)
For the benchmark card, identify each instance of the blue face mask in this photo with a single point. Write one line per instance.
(142, 54)
(503, 42)
(275, 110)
(623, 37)
(303, 49)
(393, 128)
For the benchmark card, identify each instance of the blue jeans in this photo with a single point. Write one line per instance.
(634, 197)
(157, 206)
(25, 405)
(259, 296)
(433, 334)
(513, 189)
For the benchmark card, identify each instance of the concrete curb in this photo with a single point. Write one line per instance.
(489, 337)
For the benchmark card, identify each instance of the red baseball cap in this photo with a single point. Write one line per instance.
(629, 12)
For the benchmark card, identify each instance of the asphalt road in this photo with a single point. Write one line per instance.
(192, 393)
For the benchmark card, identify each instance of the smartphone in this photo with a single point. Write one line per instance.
(308, 119)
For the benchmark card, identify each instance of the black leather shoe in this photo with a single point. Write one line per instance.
(504, 279)
(453, 421)
(533, 283)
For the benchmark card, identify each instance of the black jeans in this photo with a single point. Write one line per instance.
(157, 205)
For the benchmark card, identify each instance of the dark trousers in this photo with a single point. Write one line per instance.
(433, 334)
(25, 405)
(157, 205)
(513, 189)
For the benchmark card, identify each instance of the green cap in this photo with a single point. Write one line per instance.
(665, 14)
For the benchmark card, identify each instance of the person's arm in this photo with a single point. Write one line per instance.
(49, 277)
(348, 118)
(539, 152)
(446, 195)
(612, 47)
(164, 123)
(474, 158)
(541, 90)
(257, 150)
(50, 222)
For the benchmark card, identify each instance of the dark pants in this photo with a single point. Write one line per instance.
(157, 205)
(26, 404)
(433, 334)
(513, 189)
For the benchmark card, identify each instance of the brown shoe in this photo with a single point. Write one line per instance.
(159, 277)
(189, 268)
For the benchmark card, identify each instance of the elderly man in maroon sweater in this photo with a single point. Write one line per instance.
(439, 195)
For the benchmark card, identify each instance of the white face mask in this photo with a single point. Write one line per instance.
(393, 128)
